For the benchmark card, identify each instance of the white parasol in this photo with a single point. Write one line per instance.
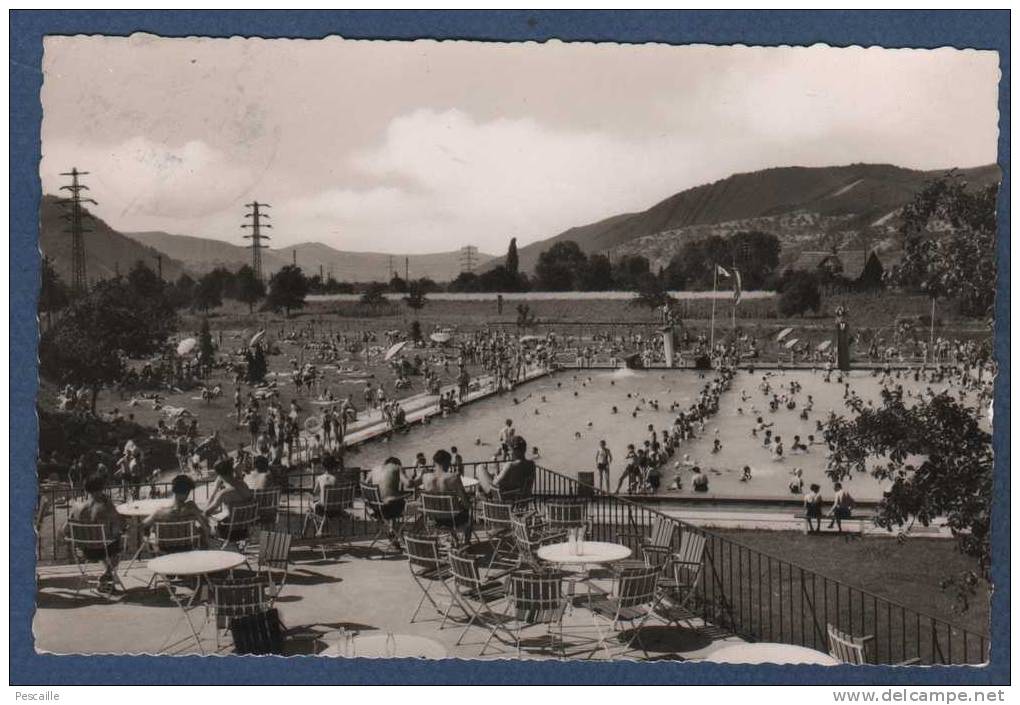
(441, 337)
(783, 333)
(186, 346)
(394, 349)
(531, 338)
(791, 342)
(255, 339)
(824, 345)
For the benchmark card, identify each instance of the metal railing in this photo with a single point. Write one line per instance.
(741, 590)
(763, 598)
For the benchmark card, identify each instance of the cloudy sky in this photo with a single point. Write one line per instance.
(425, 146)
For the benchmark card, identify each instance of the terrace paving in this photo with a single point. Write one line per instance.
(356, 588)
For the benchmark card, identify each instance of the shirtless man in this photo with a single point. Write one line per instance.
(603, 457)
(387, 478)
(442, 480)
(183, 509)
(232, 492)
(99, 509)
(516, 477)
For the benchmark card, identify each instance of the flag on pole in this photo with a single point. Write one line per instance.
(737, 287)
(721, 271)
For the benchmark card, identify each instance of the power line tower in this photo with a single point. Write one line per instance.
(468, 258)
(257, 215)
(77, 216)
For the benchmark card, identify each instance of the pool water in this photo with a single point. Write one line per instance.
(566, 415)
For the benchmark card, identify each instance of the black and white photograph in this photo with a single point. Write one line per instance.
(523, 351)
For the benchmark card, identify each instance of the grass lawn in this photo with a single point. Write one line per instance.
(906, 572)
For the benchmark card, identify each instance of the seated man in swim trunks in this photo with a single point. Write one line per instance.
(517, 477)
(183, 509)
(99, 509)
(442, 480)
(387, 478)
(232, 492)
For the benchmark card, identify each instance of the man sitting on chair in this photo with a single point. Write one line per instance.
(99, 509)
(183, 509)
(517, 476)
(442, 480)
(387, 478)
(232, 492)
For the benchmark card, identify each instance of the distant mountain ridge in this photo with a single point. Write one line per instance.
(202, 255)
(804, 206)
(107, 251)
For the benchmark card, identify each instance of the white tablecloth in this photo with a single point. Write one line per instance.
(195, 562)
(592, 552)
(766, 652)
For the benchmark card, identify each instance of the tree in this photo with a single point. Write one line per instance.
(937, 459)
(513, 262)
(465, 282)
(206, 351)
(756, 255)
(250, 289)
(143, 281)
(598, 275)
(416, 331)
(629, 269)
(87, 345)
(256, 366)
(374, 295)
(695, 263)
(53, 293)
(182, 293)
(525, 317)
(415, 298)
(208, 293)
(287, 290)
(650, 292)
(948, 235)
(560, 267)
(799, 294)
(398, 285)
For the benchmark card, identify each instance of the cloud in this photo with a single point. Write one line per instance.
(139, 183)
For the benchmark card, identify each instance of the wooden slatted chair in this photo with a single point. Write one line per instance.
(268, 501)
(632, 601)
(497, 520)
(236, 597)
(475, 596)
(429, 569)
(236, 527)
(856, 650)
(442, 511)
(659, 541)
(375, 509)
(534, 599)
(338, 499)
(530, 534)
(562, 515)
(274, 557)
(89, 543)
(678, 579)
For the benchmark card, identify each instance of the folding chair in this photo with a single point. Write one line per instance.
(170, 537)
(562, 515)
(441, 511)
(235, 597)
(856, 650)
(237, 526)
(530, 534)
(679, 578)
(533, 599)
(633, 600)
(474, 595)
(374, 507)
(496, 519)
(337, 499)
(88, 543)
(273, 556)
(268, 501)
(428, 568)
(652, 549)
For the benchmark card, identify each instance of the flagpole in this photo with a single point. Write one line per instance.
(715, 281)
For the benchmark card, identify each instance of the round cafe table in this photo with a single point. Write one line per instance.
(406, 646)
(590, 553)
(136, 511)
(767, 652)
(194, 564)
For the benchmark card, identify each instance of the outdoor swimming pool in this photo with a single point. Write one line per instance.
(566, 415)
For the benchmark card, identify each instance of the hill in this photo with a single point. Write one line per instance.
(805, 207)
(106, 250)
(202, 255)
